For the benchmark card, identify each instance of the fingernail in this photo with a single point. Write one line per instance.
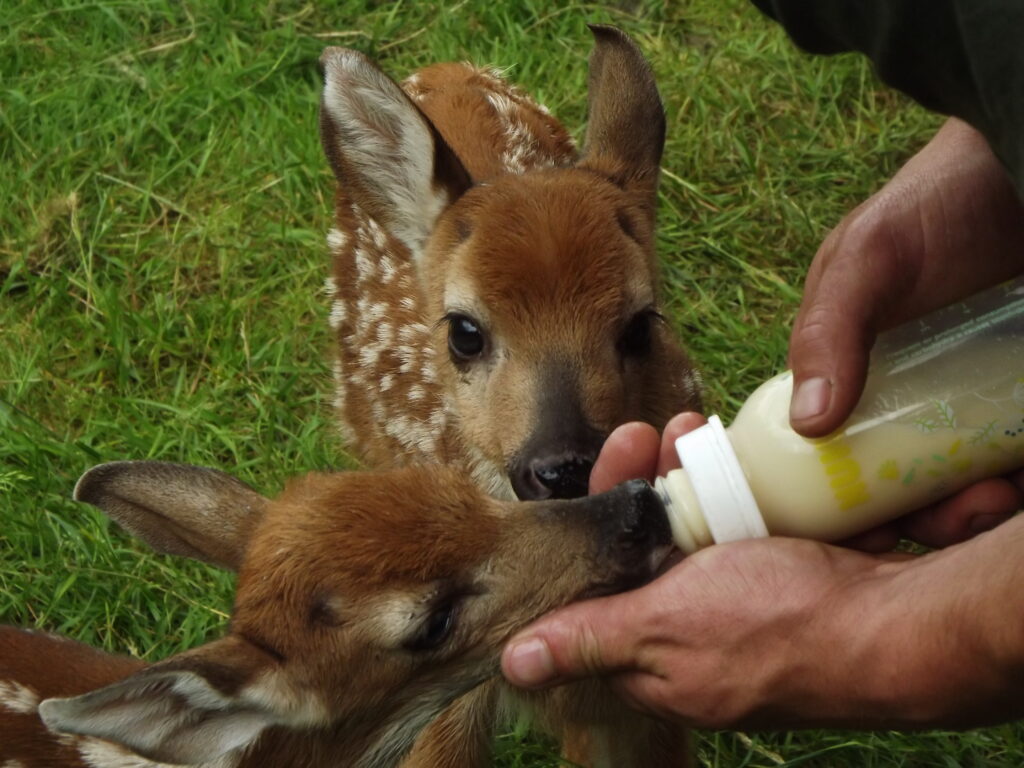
(529, 663)
(982, 523)
(811, 399)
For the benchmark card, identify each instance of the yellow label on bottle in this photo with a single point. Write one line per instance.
(844, 473)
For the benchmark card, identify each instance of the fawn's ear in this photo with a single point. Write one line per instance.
(177, 509)
(626, 127)
(191, 708)
(388, 157)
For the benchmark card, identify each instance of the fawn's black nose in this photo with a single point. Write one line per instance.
(629, 533)
(565, 476)
(633, 517)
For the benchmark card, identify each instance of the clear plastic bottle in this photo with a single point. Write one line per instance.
(943, 407)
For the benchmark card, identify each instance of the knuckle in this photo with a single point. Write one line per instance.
(813, 337)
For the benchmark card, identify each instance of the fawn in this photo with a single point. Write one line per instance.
(495, 298)
(366, 604)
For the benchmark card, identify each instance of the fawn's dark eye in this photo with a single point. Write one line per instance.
(466, 340)
(437, 628)
(635, 340)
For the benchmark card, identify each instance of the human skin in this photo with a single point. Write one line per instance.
(784, 633)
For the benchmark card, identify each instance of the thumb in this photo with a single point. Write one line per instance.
(585, 639)
(828, 356)
(830, 344)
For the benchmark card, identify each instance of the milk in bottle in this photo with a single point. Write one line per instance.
(943, 407)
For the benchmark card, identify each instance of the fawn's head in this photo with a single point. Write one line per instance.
(542, 285)
(366, 602)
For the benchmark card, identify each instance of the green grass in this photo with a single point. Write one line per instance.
(161, 263)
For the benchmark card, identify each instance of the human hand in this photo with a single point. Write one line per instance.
(745, 634)
(784, 633)
(947, 225)
(637, 450)
(705, 642)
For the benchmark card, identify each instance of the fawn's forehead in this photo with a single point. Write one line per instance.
(551, 242)
(417, 524)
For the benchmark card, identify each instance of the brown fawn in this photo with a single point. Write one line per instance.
(495, 297)
(366, 604)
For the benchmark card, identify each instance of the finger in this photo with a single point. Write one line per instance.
(630, 451)
(679, 425)
(856, 277)
(646, 693)
(828, 352)
(585, 639)
(974, 510)
(881, 539)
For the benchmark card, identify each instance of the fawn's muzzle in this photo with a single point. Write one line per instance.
(555, 460)
(629, 531)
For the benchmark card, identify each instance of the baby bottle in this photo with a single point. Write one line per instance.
(943, 407)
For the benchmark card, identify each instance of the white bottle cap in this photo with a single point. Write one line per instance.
(721, 487)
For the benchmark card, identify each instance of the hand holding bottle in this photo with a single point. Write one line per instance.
(745, 634)
(947, 225)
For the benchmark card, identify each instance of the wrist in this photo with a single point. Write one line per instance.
(939, 642)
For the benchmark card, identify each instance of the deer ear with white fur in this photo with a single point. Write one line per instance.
(177, 509)
(202, 704)
(385, 153)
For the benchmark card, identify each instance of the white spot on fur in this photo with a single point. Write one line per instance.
(414, 332)
(103, 754)
(336, 239)
(428, 373)
(387, 269)
(395, 617)
(369, 355)
(385, 332)
(295, 706)
(340, 392)
(492, 479)
(521, 151)
(407, 355)
(366, 267)
(18, 698)
(12, 764)
(331, 287)
(414, 87)
(338, 312)
(379, 238)
(413, 434)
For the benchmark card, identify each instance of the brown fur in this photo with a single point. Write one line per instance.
(324, 664)
(40, 662)
(552, 254)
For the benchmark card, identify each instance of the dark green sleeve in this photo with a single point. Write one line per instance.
(959, 57)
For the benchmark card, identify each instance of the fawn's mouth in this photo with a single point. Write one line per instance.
(669, 560)
(658, 560)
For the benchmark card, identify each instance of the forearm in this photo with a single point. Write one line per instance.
(937, 641)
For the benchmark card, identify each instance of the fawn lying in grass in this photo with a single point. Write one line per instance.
(495, 298)
(366, 604)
